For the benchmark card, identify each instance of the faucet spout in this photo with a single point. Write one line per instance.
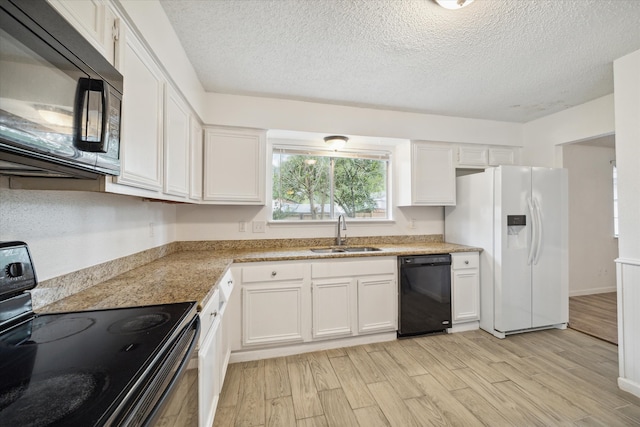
(339, 239)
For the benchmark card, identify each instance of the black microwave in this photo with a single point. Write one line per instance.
(60, 99)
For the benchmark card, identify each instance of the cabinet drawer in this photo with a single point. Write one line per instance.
(209, 314)
(464, 260)
(273, 273)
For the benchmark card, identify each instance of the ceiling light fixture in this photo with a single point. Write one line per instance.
(336, 141)
(453, 4)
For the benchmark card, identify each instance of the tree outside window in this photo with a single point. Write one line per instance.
(322, 187)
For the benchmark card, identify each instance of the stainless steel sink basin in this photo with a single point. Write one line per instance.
(345, 249)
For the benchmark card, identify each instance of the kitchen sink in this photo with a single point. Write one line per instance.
(337, 249)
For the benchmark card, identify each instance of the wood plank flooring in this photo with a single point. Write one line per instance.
(595, 315)
(544, 378)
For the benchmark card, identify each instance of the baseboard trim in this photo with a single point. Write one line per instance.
(267, 353)
(629, 386)
(593, 291)
(463, 327)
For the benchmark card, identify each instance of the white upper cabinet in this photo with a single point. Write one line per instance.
(195, 163)
(501, 156)
(482, 156)
(234, 166)
(472, 156)
(95, 20)
(141, 145)
(426, 174)
(177, 150)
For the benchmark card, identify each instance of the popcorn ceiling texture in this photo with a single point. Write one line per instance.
(510, 60)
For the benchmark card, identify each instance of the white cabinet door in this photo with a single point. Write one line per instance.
(234, 166)
(333, 307)
(195, 167)
(94, 20)
(501, 156)
(472, 156)
(209, 385)
(433, 175)
(465, 287)
(377, 304)
(177, 145)
(142, 116)
(426, 174)
(273, 313)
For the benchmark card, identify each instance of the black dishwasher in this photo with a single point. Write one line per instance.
(425, 294)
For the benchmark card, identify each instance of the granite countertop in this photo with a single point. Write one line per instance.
(193, 275)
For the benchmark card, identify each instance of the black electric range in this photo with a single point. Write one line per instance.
(90, 368)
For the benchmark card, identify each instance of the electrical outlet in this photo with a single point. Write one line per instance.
(259, 226)
(412, 223)
(242, 226)
(152, 229)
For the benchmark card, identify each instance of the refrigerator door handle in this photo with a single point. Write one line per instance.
(539, 230)
(532, 246)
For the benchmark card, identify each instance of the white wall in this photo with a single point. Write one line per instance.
(627, 105)
(542, 137)
(592, 247)
(68, 231)
(270, 113)
(221, 223)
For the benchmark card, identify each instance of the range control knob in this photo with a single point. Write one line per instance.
(15, 269)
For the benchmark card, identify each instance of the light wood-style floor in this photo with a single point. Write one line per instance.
(545, 378)
(595, 315)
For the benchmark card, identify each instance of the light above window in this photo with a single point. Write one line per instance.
(453, 4)
(336, 141)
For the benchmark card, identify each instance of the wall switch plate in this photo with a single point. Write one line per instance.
(242, 226)
(259, 226)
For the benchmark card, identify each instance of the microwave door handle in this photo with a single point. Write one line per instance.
(83, 140)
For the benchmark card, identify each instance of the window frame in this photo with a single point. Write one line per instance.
(370, 154)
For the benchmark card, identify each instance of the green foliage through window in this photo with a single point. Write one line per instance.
(319, 187)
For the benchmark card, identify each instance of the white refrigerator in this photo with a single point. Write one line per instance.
(519, 216)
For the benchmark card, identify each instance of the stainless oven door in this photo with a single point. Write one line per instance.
(164, 384)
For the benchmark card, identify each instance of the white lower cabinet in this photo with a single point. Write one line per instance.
(272, 313)
(465, 287)
(377, 304)
(286, 303)
(214, 350)
(275, 303)
(209, 361)
(334, 307)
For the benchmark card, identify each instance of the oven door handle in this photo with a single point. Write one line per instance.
(157, 410)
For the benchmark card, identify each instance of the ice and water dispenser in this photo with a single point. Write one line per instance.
(516, 235)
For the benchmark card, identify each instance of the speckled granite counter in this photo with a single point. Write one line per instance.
(192, 271)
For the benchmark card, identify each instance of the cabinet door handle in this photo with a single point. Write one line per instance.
(466, 262)
(273, 273)
(230, 282)
(215, 313)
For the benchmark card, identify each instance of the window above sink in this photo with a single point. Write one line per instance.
(311, 184)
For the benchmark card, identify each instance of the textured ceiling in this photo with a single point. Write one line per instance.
(511, 60)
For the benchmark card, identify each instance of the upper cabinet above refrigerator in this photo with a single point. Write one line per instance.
(426, 174)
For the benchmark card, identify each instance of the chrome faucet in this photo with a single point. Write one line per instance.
(342, 240)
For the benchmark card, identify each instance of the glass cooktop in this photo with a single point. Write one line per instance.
(77, 368)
